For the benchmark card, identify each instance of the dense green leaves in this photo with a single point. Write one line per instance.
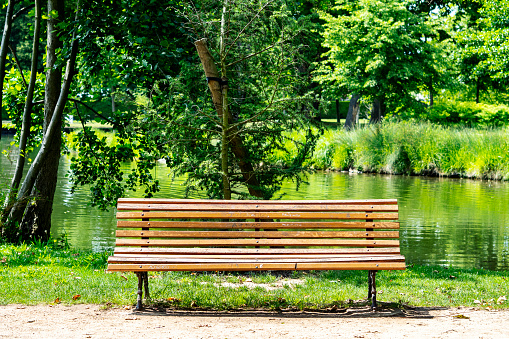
(378, 49)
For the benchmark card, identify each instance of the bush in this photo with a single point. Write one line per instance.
(468, 113)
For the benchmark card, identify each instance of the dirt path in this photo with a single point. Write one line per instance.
(90, 321)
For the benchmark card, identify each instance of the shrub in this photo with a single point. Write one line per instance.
(468, 113)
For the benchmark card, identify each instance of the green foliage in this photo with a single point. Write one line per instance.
(468, 113)
(378, 49)
(176, 121)
(14, 102)
(495, 37)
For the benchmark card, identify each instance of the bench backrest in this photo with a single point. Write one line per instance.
(258, 227)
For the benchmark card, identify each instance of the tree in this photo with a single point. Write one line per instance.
(378, 50)
(495, 38)
(250, 46)
(29, 216)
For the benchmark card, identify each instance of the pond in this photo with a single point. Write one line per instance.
(444, 221)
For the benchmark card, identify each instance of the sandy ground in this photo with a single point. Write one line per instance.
(91, 321)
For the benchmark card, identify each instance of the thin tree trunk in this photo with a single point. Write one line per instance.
(3, 52)
(113, 108)
(353, 112)
(338, 118)
(227, 192)
(237, 147)
(431, 95)
(477, 91)
(376, 112)
(27, 112)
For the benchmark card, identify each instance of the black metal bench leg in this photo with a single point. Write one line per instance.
(372, 289)
(145, 285)
(369, 285)
(139, 305)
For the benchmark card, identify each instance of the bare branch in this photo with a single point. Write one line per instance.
(245, 27)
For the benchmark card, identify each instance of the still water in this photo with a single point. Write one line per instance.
(457, 222)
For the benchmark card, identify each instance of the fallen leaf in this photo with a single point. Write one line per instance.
(461, 316)
(123, 277)
(76, 297)
(194, 304)
(57, 301)
(477, 302)
(173, 300)
(501, 299)
(452, 277)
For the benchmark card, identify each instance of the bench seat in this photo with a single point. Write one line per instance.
(218, 235)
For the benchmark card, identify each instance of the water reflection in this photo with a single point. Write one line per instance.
(444, 221)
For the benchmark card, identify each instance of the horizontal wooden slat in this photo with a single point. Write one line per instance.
(352, 266)
(252, 259)
(256, 242)
(235, 235)
(254, 225)
(256, 202)
(256, 215)
(148, 256)
(257, 207)
(257, 234)
(257, 251)
(257, 267)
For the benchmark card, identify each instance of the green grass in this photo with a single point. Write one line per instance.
(35, 274)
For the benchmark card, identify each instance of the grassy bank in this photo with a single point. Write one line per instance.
(44, 274)
(417, 149)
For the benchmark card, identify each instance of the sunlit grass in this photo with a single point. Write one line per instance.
(45, 274)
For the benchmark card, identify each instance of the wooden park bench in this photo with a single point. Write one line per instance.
(250, 235)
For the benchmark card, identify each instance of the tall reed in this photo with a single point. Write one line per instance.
(417, 148)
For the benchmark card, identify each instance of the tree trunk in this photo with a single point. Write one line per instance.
(36, 223)
(338, 118)
(376, 112)
(431, 95)
(236, 143)
(225, 137)
(3, 53)
(353, 112)
(113, 107)
(27, 112)
(477, 91)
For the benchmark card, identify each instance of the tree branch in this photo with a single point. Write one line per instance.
(13, 52)
(22, 11)
(95, 112)
(245, 27)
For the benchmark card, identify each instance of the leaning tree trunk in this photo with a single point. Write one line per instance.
(237, 146)
(353, 112)
(3, 52)
(376, 112)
